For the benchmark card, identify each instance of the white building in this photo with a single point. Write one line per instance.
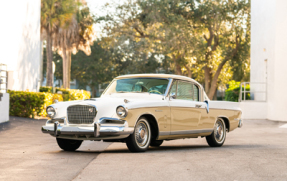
(268, 60)
(20, 47)
(20, 43)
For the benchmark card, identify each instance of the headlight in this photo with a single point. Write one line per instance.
(51, 112)
(122, 112)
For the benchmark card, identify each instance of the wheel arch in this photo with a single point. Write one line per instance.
(153, 124)
(226, 121)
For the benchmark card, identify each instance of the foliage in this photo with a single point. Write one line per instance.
(29, 104)
(68, 94)
(208, 40)
(74, 94)
(45, 89)
(105, 63)
(232, 93)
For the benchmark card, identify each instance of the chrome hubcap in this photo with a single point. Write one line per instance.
(219, 131)
(142, 134)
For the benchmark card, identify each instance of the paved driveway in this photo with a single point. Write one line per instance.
(257, 151)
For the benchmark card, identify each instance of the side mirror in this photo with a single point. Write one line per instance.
(172, 95)
(207, 106)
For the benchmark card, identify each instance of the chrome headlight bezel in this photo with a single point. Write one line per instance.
(51, 112)
(122, 111)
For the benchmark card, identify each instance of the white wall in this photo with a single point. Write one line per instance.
(20, 42)
(268, 53)
(4, 108)
(254, 110)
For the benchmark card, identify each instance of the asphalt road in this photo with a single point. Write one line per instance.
(257, 151)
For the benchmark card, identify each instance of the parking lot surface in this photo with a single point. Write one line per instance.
(257, 151)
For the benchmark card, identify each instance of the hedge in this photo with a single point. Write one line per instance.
(232, 93)
(31, 104)
(68, 94)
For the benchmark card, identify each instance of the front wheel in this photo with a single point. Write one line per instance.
(139, 141)
(69, 145)
(217, 138)
(156, 143)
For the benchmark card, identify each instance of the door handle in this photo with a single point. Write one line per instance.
(197, 105)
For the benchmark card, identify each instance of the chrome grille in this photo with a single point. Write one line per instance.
(81, 114)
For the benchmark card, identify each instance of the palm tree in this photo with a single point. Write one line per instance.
(55, 14)
(77, 36)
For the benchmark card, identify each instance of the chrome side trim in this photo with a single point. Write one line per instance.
(164, 133)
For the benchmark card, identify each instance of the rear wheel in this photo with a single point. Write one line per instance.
(69, 145)
(217, 138)
(139, 141)
(156, 143)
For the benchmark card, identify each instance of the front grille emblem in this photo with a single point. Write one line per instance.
(90, 110)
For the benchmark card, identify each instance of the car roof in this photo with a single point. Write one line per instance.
(166, 76)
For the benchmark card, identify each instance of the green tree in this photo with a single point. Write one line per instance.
(54, 15)
(201, 37)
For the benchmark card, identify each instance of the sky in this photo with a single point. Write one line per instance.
(96, 9)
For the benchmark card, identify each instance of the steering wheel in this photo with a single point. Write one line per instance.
(154, 91)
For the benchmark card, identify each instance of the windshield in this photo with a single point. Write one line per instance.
(138, 85)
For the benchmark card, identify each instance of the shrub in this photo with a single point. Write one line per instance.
(232, 93)
(45, 89)
(29, 104)
(69, 94)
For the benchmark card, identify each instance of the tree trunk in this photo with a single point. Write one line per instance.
(177, 68)
(207, 78)
(213, 84)
(49, 52)
(69, 54)
(189, 73)
(65, 69)
(41, 64)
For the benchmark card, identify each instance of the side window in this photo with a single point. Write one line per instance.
(184, 90)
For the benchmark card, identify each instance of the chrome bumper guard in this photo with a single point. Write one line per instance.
(240, 124)
(105, 127)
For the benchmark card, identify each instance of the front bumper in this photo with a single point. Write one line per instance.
(105, 128)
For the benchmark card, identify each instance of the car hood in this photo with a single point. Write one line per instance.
(106, 105)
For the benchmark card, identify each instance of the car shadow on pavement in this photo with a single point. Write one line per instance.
(175, 148)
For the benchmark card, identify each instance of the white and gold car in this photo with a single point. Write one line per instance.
(143, 110)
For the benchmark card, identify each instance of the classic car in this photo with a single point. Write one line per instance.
(143, 110)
